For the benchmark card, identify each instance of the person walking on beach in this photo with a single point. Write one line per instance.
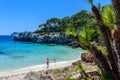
(47, 62)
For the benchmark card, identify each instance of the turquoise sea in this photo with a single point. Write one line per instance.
(14, 55)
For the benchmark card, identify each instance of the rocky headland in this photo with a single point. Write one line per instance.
(49, 38)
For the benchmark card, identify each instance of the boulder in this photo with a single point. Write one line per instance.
(34, 38)
(53, 40)
(74, 44)
(46, 39)
(87, 57)
(61, 41)
(39, 40)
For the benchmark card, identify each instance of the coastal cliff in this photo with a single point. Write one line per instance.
(49, 38)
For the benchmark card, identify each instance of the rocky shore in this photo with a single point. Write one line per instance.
(50, 38)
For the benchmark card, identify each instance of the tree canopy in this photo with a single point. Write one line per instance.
(78, 20)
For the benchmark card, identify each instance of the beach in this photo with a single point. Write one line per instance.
(19, 73)
(35, 72)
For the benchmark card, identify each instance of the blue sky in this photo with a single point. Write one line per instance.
(26, 15)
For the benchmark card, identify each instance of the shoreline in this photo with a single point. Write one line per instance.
(42, 67)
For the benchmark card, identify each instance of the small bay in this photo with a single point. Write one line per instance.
(14, 55)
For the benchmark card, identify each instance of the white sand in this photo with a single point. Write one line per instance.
(36, 68)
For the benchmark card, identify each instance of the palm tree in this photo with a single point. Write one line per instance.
(112, 56)
(85, 37)
(109, 64)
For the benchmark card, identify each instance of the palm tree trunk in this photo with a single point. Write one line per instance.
(116, 33)
(102, 63)
(116, 37)
(103, 28)
(116, 6)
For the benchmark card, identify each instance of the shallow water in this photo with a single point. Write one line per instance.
(15, 55)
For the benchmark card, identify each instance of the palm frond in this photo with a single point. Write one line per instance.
(108, 16)
(86, 35)
(70, 30)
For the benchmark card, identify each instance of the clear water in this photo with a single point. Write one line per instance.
(14, 55)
